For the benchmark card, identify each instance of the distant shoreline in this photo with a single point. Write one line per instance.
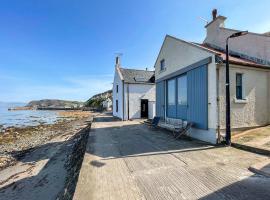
(41, 108)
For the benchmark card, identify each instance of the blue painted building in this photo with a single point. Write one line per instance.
(190, 81)
(190, 85)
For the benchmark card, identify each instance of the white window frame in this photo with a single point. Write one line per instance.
(244, 98)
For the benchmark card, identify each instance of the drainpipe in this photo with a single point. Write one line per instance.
(128, 100)
(165, 100)
(123, 100)
(218, 106)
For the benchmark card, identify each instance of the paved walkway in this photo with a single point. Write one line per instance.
(126, 160)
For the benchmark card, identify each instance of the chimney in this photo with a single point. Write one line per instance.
(117, 61)
(214, 14)
(213, 27)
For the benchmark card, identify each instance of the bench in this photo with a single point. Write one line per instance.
(178, 127)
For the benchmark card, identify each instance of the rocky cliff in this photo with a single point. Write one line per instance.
(96, 100)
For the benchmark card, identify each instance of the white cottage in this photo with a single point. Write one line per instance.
(107, 104)
(190, 81)
(133, 93)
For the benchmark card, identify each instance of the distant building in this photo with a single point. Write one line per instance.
(133, 93)
(190, 81)
(107, 104)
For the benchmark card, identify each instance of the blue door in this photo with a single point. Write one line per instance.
(160, 99)
(197, 97)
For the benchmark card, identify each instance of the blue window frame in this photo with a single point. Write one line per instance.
(171, 92)
(182, 90)
(171, 98)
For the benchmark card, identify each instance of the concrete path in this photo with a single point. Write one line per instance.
(127, 160)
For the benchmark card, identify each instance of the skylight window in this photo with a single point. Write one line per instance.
(139, 79)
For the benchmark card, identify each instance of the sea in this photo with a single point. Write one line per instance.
(23, 118)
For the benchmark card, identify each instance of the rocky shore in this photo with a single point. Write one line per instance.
(45, 159)
(14, 140)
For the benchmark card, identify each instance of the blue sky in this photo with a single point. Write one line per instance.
(65, 49)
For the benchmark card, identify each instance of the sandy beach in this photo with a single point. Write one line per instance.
(38, 159)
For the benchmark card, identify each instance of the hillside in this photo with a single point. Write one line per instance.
(53, 103)
(96, 100)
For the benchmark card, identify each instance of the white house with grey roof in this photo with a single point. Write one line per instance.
(190, 81)
(133, 93)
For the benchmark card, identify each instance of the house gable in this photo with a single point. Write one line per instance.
(178, 54)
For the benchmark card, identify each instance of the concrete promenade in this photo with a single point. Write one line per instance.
(127, 160)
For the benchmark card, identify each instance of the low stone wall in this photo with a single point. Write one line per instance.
(74, 162)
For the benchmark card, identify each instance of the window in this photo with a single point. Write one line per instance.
(116, 88)
(116, 105)
(162, 65)
(171, 92)
(182, 90)
(239, 86)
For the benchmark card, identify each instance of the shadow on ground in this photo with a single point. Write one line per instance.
(115, 140)
(55, 179)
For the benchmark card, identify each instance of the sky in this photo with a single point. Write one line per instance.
(65, 49)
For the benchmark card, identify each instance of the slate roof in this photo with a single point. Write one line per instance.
(232, 58)
(137, 76)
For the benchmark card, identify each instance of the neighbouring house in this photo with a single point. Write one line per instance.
(133, 93)
(190, 81)
(107, 104)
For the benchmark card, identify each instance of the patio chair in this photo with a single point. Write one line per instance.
(154, 122)
(183, 130)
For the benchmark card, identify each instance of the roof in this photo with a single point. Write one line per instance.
(221, 54)
(137, 76)
(232, 58)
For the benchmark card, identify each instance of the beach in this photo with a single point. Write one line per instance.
(40, 158)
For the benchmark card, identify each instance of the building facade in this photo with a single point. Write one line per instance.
(133, 93)
(190, 83)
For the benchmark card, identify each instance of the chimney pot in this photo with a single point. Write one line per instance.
(117, 61)
(214, 14)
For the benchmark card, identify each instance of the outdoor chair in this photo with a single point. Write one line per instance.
(154, 122)
(178, 132)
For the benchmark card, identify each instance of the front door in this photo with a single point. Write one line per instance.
(144, 108)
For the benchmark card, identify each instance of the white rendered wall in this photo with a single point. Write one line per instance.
(136, 93)
(151, 109)
(255, 110)
(117, 96)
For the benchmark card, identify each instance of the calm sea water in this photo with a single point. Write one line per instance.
(21, 118)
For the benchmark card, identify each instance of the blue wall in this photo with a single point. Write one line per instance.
(160, 99)
(196, 110)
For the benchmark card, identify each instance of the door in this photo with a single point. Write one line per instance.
(198, 97)
(160, 99)
(144, 108)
